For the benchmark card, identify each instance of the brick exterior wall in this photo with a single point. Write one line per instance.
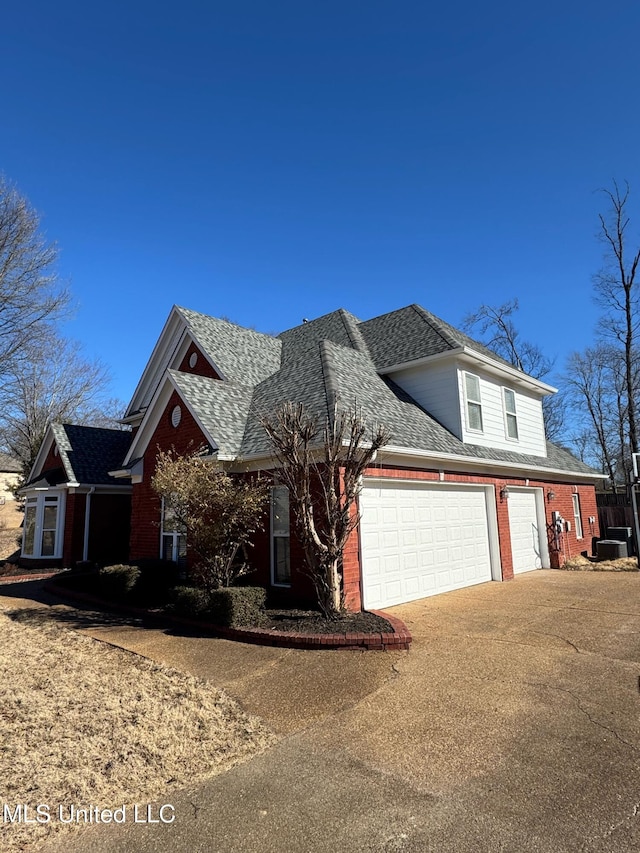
(560, 551)
(109, 529)
(73, 528)
(145, 516)
(52, 461)
(201, 367)
(145, 504)
(146, 507)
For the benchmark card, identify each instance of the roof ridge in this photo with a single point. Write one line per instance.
(353, 333)
(428, 317)
(330, 383)
(186, 311)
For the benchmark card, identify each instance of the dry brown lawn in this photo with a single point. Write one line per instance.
(581, 564)
(9, 531)
(86, 724)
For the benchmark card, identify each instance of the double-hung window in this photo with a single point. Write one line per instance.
(510, 414)
(42, 535)
(474, 404)
(173, 537)
(577, 516)
(280, 525)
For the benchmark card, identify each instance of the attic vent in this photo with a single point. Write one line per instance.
(176, 416)
(193, 359)
(55, 450)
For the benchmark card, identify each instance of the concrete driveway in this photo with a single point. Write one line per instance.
(513, 724)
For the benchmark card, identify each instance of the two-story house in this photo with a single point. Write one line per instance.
(468, 489)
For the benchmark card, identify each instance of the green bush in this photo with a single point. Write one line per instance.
(237, 606)
(117, 582)
(189, 601)
(157, 577)
(231, 607)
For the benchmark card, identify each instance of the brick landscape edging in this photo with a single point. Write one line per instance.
(39, 576)
(399, 640)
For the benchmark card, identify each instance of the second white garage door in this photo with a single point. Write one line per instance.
(419, 540)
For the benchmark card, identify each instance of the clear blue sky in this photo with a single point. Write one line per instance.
(269, 161)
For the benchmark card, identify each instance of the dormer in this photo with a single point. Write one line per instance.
(479, 397)
(480, 400)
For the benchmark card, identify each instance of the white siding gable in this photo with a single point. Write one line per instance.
(435, 388)
(528, 407)
(440, 388)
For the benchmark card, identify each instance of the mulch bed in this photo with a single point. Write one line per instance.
(313, 622)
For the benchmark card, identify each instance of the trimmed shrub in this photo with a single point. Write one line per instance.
(117, 582)
(189, 601)
(237, 606)
(157, 577)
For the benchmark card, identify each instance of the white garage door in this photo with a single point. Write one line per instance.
(525, 533)
(419, 540)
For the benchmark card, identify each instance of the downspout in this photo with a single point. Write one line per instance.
(87, 516)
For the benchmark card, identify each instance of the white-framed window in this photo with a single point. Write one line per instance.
(510, 414)
(42, 533)
(577, 516)
(474, 403)
(173, 537)
(280, 537)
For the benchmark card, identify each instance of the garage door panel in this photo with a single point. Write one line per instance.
(441, 541)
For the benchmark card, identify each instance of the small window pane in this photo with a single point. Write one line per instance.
(50, 517)
(48, 543)
(475, 416)
(281, 562)
(512, 426)
(280, 503)
(29, 528)
(473, 387)
(509, 401)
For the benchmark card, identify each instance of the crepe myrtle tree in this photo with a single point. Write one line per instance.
(322, 465)
(219, 513)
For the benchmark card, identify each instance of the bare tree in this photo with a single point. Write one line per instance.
(616, 286)
(590, 381)
(497, 330)
(31, 295)
(51, 382)
(499, 333)
(322, 465)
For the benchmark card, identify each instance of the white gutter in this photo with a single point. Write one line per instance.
(475, 462)
(458, 459)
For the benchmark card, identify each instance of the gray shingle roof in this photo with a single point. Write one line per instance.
(411, 333)
(243, 355)
(222, 407)
(336, 355)
(88, 453)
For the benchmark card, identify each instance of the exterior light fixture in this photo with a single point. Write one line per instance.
(504, 493)
(551, 495)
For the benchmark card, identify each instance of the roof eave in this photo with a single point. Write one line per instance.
(477, 462)
(476, 357)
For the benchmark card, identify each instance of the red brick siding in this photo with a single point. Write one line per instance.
(202, 366)
(73, 528)
(145, 504)
(109, 529)
(52, 461)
